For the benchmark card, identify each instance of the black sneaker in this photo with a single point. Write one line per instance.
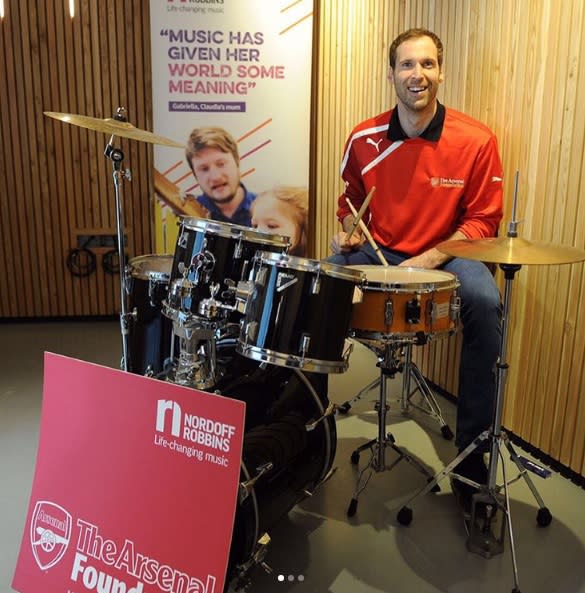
(474, 468)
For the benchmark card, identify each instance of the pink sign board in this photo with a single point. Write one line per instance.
(135, 485)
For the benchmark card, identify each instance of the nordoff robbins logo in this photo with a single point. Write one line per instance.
(50, 532)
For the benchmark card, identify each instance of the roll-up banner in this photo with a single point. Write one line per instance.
(232, 81)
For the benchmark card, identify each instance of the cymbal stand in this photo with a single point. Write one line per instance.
(389, 362)
(488, 500)
(117, 156)
(410, 371)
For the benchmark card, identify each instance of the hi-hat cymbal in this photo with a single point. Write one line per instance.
(511, 250)
(113, 127)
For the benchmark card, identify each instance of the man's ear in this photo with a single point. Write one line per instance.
(390, 75)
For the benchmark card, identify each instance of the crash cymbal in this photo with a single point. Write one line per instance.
(113, 127)
(511, 250)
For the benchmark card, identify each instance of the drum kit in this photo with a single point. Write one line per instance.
(233, 313)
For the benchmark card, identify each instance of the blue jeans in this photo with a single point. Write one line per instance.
(481, 315)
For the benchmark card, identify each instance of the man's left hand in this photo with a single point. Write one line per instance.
(430, 259)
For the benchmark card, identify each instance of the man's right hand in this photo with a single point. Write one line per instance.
(340, 244)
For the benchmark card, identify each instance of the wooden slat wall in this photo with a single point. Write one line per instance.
(519, 68)
(55, 183)
(516, 66)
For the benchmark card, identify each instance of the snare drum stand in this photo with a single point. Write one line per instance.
(410, 371)
(117, 156)
(389, 362)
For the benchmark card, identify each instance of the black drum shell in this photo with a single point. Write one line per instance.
(278, 406)
(149, 331)
(231, 248)
(296, 302)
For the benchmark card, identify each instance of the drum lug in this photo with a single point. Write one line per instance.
(316, 284)
(304, 347)
(432, 313)
(455, 308)
(329, 411)
(238, 249)
(129, 283)
(246, 487)
(182, 241)
(388, 312)
(152, 284)
(244, 291)
(250, 331)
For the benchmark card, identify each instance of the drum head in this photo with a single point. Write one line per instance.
(234, 231)
(398, 277)
(282, 260)
(155, 267)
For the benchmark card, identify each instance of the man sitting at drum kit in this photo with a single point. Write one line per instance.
(437, 176)
(212, 154)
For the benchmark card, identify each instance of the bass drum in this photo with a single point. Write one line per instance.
(280, 403)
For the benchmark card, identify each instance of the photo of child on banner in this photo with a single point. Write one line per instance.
(283, 210)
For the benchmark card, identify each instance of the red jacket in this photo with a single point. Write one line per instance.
(425, 190)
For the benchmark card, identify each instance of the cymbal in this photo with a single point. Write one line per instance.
(113, 127)
(511, 250)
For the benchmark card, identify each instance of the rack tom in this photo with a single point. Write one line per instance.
(211, 257)
(298, 312)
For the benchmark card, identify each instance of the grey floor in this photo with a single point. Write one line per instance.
(316, 547)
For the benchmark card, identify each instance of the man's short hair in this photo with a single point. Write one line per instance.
(202, 138)
(415, 34)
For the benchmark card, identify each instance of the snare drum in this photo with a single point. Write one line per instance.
(150, 332)
(297, 313)
(210, 258)
(401, 302)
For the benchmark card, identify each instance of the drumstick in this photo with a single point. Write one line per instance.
(359, 215)
(368, 236)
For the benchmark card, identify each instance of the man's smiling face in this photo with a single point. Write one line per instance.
(416, 75)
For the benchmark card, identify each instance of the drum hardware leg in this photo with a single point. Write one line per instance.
(432, 407)
(378, 445)
(494, 436)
